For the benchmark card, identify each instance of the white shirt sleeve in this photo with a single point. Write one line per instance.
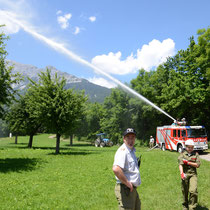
(120, 158)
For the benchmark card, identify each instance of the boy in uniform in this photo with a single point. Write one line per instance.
(188, 162)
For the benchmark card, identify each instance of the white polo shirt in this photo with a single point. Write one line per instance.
(126, 159)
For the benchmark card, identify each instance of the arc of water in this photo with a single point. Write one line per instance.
(60, 48)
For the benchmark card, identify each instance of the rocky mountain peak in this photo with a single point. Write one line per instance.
(96, 93)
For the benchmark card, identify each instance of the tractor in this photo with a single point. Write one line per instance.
(102, 140)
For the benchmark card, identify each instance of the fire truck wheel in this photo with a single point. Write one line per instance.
(180, 149)
(163, 147)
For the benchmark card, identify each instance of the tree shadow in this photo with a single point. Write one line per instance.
(42, 148)
(18, 164)
(78, 152)
(49, 148)
(79, 145)
(76, 148)
(18, 143)
(199, 207)
(92, 149)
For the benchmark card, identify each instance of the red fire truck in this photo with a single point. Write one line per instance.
(173, 137)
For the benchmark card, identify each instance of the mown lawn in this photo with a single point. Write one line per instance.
(81, 177)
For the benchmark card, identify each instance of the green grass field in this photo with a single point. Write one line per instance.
(81, 177)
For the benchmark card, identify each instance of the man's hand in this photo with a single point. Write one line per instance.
(186, 162)
(129, 185)
(183, 176)
(121, 176)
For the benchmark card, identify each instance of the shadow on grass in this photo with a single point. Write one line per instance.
(43, 148)
(93, 149)
(76, 149)
(18, 143)
(79, 145)
(74, 153)
(199, 207)
(17, 164)
(67, 147)
(49, 148)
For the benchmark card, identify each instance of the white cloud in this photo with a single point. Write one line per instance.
(58, 12)
(102, 82)
(10, 27)
(77, 30)
(19, 10)
(147, 57)
(92, 18)
(155, 53)
(63, 21)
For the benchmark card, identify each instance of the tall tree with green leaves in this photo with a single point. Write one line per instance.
(20, 121)
(6, 78)
(180, 86)
(89, 124)
(116, 116)
(94, 116)
(187, 91)
(57, 108)
(14, 119)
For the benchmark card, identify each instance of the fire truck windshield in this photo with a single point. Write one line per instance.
(196, 133)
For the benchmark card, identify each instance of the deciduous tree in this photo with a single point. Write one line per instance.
(57, 108)
(20, 121)
(6, 78)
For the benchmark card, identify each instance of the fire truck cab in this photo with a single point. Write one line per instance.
(173, 137)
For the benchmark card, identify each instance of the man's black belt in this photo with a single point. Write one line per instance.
(123, 185)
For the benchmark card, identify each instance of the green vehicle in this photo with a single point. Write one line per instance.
(102, 140)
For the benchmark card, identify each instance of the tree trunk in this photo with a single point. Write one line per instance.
(30, 141)
(57, 143)
(16, 138)
(71, 140)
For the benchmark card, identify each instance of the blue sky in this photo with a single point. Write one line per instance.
(118, 36)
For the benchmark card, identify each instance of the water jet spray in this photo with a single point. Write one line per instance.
(60, 48)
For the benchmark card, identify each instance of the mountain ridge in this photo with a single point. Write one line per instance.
(95, 92)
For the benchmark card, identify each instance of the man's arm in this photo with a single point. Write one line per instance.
(181, 163)
(120, 175)
(186, 162)
(193, 164)
(181, 169)
(181, 172)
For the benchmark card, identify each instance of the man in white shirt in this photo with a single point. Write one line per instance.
(127, 173)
